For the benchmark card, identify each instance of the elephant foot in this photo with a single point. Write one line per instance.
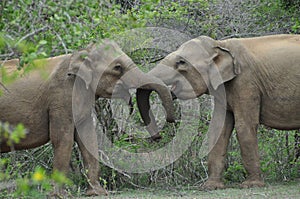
(252, 183)
(96, 191)
(213, 185)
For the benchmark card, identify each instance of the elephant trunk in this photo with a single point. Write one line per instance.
(143, 95)
(145, 84)
(143, 103)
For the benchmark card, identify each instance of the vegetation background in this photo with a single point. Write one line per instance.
(36, 29)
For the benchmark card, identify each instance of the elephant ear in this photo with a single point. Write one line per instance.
(80, 66)
(224, 67)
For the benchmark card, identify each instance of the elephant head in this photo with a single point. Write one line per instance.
(197, 67)
(109, 73)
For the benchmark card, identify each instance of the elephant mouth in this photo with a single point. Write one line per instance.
(172, 89)
(175, 89)
(179, 90)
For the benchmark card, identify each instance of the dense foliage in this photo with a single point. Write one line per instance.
(33, 29)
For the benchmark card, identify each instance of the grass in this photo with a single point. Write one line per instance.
(285, 190)
(289, 190)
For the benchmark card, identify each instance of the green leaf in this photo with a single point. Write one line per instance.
(43, 42)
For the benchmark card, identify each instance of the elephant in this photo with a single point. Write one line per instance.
(260, 78)
(59, 107)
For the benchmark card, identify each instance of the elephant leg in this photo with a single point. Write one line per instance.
(247, 121)
(88, 145)
(216, 157)
(62, 138)
(249, 149)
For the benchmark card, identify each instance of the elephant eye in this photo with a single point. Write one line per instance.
(118, 68)
(180, 62)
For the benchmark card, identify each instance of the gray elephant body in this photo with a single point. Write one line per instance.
(261, 80)
(27, 93)
(269, 77)
(42, 101)
(58, 107)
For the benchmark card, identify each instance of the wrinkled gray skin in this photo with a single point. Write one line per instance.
(44, 105)
(261, 78)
